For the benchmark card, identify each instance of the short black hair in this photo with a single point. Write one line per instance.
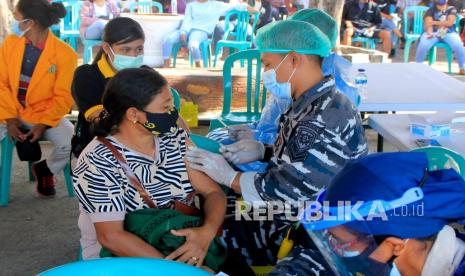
(41, 11)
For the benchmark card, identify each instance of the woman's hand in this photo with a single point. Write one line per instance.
(15, 133)
(36, 132)
(194, 250)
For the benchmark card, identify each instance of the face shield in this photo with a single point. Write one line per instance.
(341, 231)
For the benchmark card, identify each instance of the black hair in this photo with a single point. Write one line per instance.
(120, 30)
(41, 11)
(134, 87)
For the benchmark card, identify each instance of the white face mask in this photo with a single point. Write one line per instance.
(350, 254)
(281, 90)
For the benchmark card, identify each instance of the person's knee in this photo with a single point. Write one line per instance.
(62, 134)
(385, 34)
(349, 32)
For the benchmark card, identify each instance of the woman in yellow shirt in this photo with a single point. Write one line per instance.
(36, 70)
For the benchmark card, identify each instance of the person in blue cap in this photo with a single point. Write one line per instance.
(319, 134)
(266, 129)
(401, 225)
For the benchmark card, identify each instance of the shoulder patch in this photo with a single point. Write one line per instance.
(305, 135)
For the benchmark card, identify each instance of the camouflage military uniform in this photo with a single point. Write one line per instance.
(318, 135)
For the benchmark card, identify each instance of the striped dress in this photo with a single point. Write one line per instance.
(105, 194)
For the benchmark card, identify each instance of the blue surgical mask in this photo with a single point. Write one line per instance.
(121, 62)
(16, 29)
(281, 90)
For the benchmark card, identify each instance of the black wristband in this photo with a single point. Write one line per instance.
(268, 154)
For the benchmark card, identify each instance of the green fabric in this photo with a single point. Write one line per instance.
(285, 36)
(154, 226)
(320, 19)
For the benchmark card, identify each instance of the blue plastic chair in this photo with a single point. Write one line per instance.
(241, 41)
(205, 49)
(442, 158)
(88, 44)
(176, 98)
(446, 47)
(417, 28)
(432, 54)
(69, 26)
(256, 97)
(125, 266)
(7, 146)
(145, 7)
(368, 43)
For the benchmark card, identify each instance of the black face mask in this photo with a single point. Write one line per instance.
(162, 123)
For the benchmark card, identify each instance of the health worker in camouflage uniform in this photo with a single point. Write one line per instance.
(318, 135)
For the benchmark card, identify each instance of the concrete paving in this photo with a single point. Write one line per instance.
(37, 234)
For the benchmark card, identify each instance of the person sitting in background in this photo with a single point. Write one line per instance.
(198, 24)
(36, 69)
(122, 47)
(265, 13)
(139, 121)
(362, 18)
(439, 25)
(390, 22)
(95, 14)
(279, 9)
(408, 234)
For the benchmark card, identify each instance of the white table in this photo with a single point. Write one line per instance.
(156, 27)
(410, 87)
(395, 129)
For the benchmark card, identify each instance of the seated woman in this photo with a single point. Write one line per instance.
(199, 23)
(122, 47)
(95, 14)
(36, 69)
(440, 27)
(140, 122)
(407, 235)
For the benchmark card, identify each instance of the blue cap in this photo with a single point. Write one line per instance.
(387, 176)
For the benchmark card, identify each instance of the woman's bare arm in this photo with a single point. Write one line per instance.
(111, 235)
